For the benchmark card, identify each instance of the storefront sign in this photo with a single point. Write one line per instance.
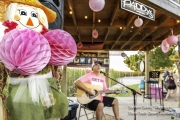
(138, 8)
(85, 59)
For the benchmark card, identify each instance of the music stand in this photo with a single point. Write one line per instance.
(134, 92)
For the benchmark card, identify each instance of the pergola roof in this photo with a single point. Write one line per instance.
(112, 17)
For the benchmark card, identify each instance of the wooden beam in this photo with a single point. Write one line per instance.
(144, 44)
(87, 38)
(164, 6)
(176, 30)
(112, 20)
(163, 31)
(129, 20)
(64, 80)
(71, 7)
(81, 23)
(137, 30)
(94, 16)
(162, 20)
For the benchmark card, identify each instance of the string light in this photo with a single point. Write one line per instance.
(86, 17)
(99, 20)
(70, 12)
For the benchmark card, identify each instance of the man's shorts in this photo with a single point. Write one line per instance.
(106, 100)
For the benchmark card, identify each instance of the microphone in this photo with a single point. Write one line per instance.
(103, 73)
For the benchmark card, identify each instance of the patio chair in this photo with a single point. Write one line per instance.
(153, 83)
(86, 112)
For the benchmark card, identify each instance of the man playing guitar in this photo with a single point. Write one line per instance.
(94, 78)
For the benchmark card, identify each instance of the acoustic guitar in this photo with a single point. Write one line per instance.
(84, 98)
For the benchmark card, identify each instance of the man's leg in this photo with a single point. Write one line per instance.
(115, 108)
(99, 111)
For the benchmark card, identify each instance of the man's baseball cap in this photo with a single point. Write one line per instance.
(95, 63)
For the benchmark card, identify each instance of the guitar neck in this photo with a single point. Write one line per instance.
(107, 91)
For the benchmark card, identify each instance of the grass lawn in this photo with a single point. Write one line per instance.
(129, 93)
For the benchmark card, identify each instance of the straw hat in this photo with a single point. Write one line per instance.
(51, 15)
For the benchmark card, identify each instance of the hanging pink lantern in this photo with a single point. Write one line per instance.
(63, 47)
(95, 33)
(24, 51)
(96, 5)
(172, 40)
(164, 46)
(79, 45)
(138, 22)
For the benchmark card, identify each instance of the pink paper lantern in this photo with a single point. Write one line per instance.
(172, 40)
(95, 33)
(79, 45)
(24, 51)
(164, 46)
(96, 5)
(138, 22)
(63, 47)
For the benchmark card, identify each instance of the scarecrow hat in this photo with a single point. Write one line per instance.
(51, 15)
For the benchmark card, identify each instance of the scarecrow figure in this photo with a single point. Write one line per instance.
(27, 54)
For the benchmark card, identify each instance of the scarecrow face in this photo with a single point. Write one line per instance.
(27, 17)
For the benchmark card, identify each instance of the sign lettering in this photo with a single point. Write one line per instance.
(138, 8)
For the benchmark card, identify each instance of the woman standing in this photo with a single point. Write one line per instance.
(171, 86)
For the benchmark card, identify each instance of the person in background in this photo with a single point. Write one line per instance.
(175, 76)
(171, 86)
(164, 76)
(141, 84)
(95, 78)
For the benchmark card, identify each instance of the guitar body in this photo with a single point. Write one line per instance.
(84, 97)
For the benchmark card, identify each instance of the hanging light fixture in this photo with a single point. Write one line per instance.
(96, 5)
(95, 33)
(138, 22)
(79, 45)
(172, 39)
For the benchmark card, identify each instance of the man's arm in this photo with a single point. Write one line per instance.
(81, 86)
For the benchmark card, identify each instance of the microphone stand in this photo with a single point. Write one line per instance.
(163, 108)
(134, 92)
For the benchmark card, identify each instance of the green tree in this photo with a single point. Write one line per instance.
(133, 61)
(158, 59)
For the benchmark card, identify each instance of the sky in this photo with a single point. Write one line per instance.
(116, 60)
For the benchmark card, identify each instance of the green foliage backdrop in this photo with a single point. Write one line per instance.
(74, 73)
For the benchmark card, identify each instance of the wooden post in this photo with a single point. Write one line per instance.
(147, 70)
(107, 71)
(178, 64)
(64, 81)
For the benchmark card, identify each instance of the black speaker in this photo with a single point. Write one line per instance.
(58, 7)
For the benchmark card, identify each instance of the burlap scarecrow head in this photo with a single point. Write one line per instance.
(51, 15)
